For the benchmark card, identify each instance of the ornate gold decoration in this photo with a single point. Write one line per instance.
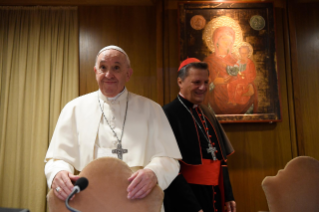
(236, 49)
(221, 22)
(257, 22)
(208, 6)
(198, 22)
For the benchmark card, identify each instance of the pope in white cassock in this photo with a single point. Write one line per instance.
(116, 123)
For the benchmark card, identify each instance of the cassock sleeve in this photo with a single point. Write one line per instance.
(180, 197)
(227, 185)
(165, 169)
(52, 167)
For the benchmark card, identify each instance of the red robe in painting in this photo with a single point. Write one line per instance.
(242, 84)
(218, 97)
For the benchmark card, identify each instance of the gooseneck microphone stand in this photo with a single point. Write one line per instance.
(80, 185)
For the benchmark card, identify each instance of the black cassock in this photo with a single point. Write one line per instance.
(183, 196)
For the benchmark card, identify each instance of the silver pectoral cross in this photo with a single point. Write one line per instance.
(119, 151)
(212, 150)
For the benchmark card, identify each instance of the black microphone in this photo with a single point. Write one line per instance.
(79, 185)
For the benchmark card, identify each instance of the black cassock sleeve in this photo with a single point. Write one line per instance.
(227, 185)
(180, 197)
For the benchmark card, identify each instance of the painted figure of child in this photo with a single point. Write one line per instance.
(241, 87)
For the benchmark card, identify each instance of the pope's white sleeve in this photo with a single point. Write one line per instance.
(52, 167)
(165, 169)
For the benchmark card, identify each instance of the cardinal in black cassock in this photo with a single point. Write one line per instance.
(203, 182)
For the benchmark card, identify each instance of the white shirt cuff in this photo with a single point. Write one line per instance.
(165, 169)
(52, 167)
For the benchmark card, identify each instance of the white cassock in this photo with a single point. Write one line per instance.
(82, 135)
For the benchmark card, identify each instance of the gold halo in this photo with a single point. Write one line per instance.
(220, 22)
(236, 49)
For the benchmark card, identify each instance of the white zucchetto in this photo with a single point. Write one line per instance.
(115, 48)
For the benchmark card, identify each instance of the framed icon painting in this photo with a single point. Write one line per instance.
(237, 41)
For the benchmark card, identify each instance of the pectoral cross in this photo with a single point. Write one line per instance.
(212, 150)
(119, 151)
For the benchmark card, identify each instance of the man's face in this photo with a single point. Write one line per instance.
(112, 72)
(195, 85)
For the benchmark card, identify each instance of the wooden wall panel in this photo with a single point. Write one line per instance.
(261, 149)
(306, 72)
(171, 59)
(133, 29)
(159, 50)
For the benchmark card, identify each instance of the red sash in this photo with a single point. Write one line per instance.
(206, 173)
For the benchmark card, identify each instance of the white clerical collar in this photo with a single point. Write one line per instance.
(119, 96)
(194, 105)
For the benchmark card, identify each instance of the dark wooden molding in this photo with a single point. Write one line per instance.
(160, 51)
(288, 71)
(77, 2)
(295, 72)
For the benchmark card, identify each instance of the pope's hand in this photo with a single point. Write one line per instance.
(141, 184)
(62, 185)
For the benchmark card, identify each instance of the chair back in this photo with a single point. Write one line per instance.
(108, 181)
(295, 188)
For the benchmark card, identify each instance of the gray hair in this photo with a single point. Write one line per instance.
(114, 48)
(183, 72)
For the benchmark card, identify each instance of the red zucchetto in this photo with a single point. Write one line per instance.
(188, 61)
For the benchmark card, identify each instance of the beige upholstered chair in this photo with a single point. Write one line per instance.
(107, 191)
(295, 188)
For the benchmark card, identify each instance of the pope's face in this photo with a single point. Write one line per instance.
(112, 71)
(194, 86)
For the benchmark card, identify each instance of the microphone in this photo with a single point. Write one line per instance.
(79, 185)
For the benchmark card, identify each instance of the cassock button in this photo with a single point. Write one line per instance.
(214, 192)
(214, 201)
(206, 129)
(216, 210)
(213, 144)
(216, 151)
(210, 136)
